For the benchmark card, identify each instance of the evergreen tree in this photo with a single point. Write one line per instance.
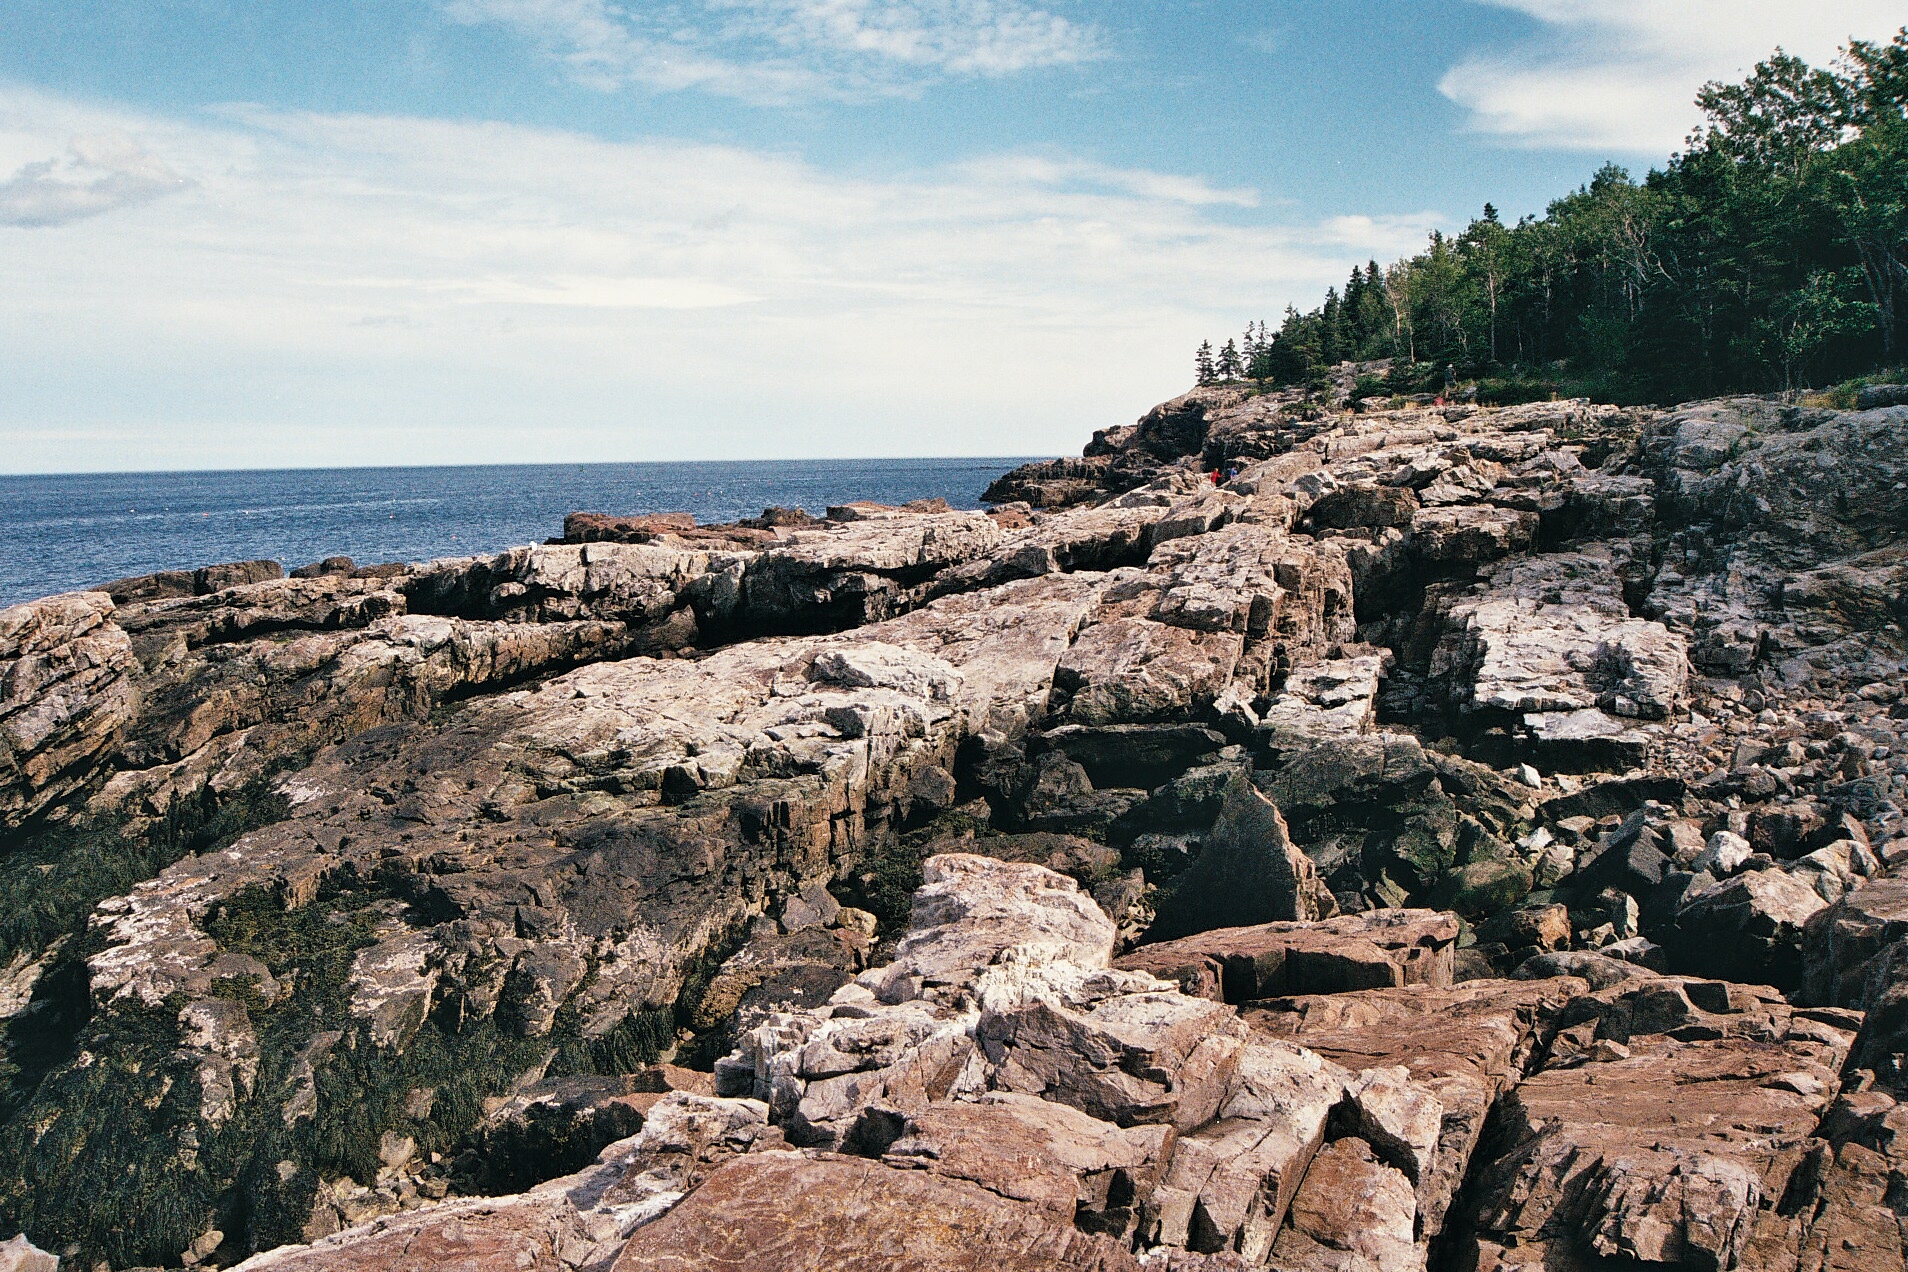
(1331, 333)
(1771, 254)
(1229, 367)
(1202, 365)
(1352, 322)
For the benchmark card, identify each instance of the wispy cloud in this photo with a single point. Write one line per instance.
(95, 175)
(1622, 75)
(781, 50)
(521, 293)
(1047, 171)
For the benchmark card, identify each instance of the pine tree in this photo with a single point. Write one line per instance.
(1352, 311)
(1229, 367)
(1772, 253)
(1202, 364)
(1331, 336)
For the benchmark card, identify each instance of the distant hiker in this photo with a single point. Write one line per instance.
(1232, 473)
(1215, 476)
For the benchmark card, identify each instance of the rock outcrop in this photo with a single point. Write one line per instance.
(1462, 838)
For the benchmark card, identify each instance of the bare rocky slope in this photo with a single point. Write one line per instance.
(1466, 839)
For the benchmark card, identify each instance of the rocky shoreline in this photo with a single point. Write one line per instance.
(1466, 838)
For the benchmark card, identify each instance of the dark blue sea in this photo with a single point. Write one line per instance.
(61, 533)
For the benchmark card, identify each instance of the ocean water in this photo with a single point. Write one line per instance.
(65, 532)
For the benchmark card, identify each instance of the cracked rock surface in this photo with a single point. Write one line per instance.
(1467, 838)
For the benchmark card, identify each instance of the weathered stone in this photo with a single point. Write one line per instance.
(21, 1255)
(970, 909)
(569, 1224)
(1249, 872)
(777, 972)
(1132, 670)
(218, 1033)
(562, 778)
(66, 690)
(1230, 1183)
(1077, 1169)
(1541, 928)
(1369, 809)
(1748, 927)
(1400, 1120)
(1464, 1046)
(774, 1211)
(1475, 534)
(1355, 951)
(1485, 887)
(1661, 1155)
(1553, 634)
(1119, 1050)
(1600, 970)
(1323, 702)
(1724, 854)
(1352, 1212)
(1855, 954)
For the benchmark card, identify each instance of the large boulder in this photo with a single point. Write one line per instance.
(1249, 872)
(21, 1255)
(1372, 813)
(67, 689)
(1748, 927)
(1374, 950)
(1855, 954)
(1354, 1213)
(1462, 1047)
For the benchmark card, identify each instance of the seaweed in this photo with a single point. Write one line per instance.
(51, 876)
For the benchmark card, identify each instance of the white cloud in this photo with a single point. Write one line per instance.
(360, 289)
(1622, 75)
(781, 50)
(96, 174)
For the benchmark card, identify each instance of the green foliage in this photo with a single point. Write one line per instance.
(104, 1156)
(1842, 396)
(1515, 390)
(1772, 254)
(1203, 369)
(1406, 378)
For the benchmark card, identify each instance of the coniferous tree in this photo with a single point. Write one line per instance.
(1331, 334)
(1771, 254)
(1202, 365)
(1352, 309)
(1228, 365)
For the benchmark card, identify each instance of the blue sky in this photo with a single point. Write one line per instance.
(252, 233)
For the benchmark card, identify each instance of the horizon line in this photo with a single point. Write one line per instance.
(592, 463)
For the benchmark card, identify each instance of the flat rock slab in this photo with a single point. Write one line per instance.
(1375, 950)
(790, 1212)
(503, 1234)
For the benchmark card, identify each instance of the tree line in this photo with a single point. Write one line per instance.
(1771, 254)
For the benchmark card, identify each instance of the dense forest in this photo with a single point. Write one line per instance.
(1771, 255)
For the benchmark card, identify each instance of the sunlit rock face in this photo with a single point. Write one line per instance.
(1146, 873)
